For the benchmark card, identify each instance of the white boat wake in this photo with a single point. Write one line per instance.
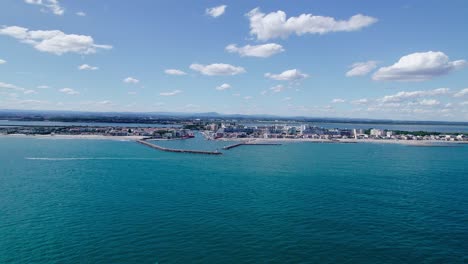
(96, 158)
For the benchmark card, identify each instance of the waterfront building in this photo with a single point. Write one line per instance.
(377, 132)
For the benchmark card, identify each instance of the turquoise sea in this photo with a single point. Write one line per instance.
(102, 201)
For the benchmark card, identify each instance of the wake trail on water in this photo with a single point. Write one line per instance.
(96, 158)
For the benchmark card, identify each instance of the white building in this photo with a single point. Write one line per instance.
(377, 132)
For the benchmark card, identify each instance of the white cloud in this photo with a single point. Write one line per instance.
(3, 61)
(464, 103)
(131, 80)
(403, 96)
(48, 5)
(191, 106)
(10, 86)
(461, 93)
(175, 92)
(262, 51)
(360, 101)
(216, 11)
(275, 25)
(80, 13)
(54, 41)
(277, 88)
(32, 102)
(289, 75)
(86, 67)
(338, 101)
(217, 69)
(43, 87)
(419, 66)
(361, 68)
(174, 72)
(287, 99)
(30, 92)
(429, 102)
(132, 93)
(248, 97)
(223, 87)
(68, 91)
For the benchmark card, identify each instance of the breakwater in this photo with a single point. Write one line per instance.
(250, 144)
(151, 145)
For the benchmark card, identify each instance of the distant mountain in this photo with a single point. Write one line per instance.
(148, 117)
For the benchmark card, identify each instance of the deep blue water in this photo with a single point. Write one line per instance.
(98, 201)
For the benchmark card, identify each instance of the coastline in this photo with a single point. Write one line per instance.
(254, 140)
(346, 141)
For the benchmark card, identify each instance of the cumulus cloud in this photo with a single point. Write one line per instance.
(175, 92)
(361, 68)
(429, 102)
(361, 101)
(30, 92)
(420, 66)
(174, 72)
(223, 87)
(461, 93)
(10, 86)
(338, 101)
(54, 41)
(48, 5)
(80, 13)
(216, 11)
(68, 91)
(131, 80)
(288, 75)
(217, 69)
(86, 67)
(3, 61)
(277, 88)
(275, 25)
(261, 51)
(403, 96)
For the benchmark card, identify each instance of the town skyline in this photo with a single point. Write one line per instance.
(361, 60)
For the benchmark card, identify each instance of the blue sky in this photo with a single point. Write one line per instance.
(363, 59)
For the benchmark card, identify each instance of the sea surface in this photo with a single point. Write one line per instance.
(104, 201)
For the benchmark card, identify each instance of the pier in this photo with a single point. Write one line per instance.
(154, 146)
(250, 144)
